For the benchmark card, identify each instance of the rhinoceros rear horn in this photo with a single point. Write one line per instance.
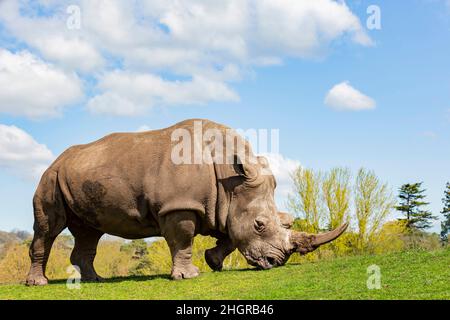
(304, 243)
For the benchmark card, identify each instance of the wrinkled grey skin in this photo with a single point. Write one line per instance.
(127, 185)
(256, 227)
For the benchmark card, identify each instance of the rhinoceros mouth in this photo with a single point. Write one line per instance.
(264, 263)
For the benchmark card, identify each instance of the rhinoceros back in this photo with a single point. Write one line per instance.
(123, 182)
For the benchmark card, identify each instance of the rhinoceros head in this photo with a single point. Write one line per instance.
(258, 230)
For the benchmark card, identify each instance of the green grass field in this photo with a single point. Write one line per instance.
(409, 275)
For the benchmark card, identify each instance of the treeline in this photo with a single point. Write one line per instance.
(115, 258)
(324, 200)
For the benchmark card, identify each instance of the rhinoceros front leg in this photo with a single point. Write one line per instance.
(214, 257)
(178, 229)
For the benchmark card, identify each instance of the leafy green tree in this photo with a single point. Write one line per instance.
(373, 204)
(141, 268)
(307, 201)
(137, 248)
(336, 192)
(445, 225)
(412, 205)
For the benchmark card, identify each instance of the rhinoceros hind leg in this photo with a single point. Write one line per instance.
(49, 221)
(85, 249)
(214, 257)
(39, 253)
(179, 231)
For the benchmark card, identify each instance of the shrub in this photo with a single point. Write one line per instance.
(15, 263)
(111, 261)
(418, 240)
(160, 260)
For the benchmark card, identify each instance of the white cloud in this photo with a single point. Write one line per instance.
(71, 49)
(20, 153)
(127, 93)
(34, 88)
(214, 43)
(344, 97)
(282, 168)
(302, 28)
(70, 53)
(115, 104)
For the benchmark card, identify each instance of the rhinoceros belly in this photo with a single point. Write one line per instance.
(110, 204)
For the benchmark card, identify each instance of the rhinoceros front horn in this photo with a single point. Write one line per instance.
(304, 243)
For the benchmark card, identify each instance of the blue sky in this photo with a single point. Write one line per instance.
(271, 73)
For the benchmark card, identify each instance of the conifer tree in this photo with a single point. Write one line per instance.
(445, 225)
(413, 206)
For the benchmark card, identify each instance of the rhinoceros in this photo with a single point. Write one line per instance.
(130, 185)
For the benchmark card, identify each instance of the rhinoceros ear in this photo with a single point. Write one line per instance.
(263, 162)
(244, 168)
(287, 221)
(248, 170)
(265, 166)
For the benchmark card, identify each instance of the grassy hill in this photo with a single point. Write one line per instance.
(408, 275)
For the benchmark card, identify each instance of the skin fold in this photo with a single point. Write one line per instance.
(127, 185)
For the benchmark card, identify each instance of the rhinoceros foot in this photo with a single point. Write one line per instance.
(36, 281)
(185, 272)
(214, 260)
(93, 278)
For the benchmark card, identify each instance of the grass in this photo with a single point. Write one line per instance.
(407, 275)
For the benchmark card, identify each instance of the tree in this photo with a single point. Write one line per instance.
(138, 248)
(445, 225)
(336, 192)
(373, 203)
(412, 205)
(306, 199)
